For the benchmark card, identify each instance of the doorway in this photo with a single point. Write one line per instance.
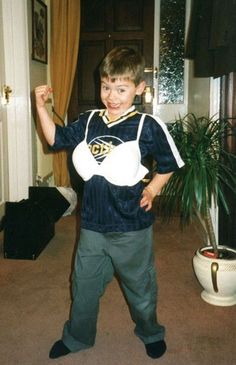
(104, 25)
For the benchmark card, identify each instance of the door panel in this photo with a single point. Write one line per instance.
(93, 16)
(104, 25)
(90, 53)
(128, 16)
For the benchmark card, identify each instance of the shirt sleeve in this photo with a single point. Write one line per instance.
(159, 143)
(69, 136)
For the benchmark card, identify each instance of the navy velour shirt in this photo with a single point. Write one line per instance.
(107, 207)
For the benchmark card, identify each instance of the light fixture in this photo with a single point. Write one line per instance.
(148, 94)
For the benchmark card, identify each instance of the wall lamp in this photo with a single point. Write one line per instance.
(148, 94)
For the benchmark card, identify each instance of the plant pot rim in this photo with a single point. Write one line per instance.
(220, 247)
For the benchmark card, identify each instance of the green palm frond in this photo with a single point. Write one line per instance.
(208, 169)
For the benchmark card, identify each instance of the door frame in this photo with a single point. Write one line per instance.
(16, 116)
(214, 111)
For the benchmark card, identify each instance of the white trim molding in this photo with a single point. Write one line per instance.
(214, 111)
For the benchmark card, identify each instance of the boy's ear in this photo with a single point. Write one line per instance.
(140, 88)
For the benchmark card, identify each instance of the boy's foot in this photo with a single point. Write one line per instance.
(58, 350)
(156, 349)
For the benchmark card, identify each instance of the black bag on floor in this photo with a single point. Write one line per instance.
(27, 230)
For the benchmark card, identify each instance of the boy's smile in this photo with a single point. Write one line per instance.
(118, 95)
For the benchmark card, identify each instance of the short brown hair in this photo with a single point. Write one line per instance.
(123, 62)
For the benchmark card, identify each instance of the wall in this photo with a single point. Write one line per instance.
(198, 93)
(39, 75)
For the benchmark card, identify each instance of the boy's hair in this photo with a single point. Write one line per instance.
(123, 62)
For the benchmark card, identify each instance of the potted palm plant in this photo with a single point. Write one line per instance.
(197, 187)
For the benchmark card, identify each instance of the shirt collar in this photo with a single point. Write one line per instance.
(128, 113)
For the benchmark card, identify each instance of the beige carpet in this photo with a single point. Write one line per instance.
(35, 299)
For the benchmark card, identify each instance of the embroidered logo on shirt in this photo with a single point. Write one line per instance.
(101, 146)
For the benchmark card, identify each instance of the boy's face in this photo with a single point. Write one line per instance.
(118, 95)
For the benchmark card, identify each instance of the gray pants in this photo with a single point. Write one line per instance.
(99, 255)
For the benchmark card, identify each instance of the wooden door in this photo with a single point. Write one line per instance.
(104, 25)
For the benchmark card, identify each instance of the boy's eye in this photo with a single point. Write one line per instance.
(104, 87)
(120, 91)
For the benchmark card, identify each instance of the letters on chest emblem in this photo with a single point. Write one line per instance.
(101, 146)
(101, 150)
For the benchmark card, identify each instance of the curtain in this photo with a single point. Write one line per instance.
(65, 27)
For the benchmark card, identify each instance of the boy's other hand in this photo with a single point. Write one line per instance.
(146, 200)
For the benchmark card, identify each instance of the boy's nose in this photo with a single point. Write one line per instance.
(111, 95)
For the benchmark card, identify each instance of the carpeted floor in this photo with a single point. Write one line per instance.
(35, 300)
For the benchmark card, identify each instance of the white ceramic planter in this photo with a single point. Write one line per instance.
(217, 277)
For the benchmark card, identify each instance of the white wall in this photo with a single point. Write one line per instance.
(42, 158)
(198, 93)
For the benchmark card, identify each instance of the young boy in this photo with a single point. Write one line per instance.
(116, 219)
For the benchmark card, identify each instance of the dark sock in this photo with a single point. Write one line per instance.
(155, 349)
(58, 349)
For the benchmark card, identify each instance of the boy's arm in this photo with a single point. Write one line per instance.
(48, 126)
(153, 189)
